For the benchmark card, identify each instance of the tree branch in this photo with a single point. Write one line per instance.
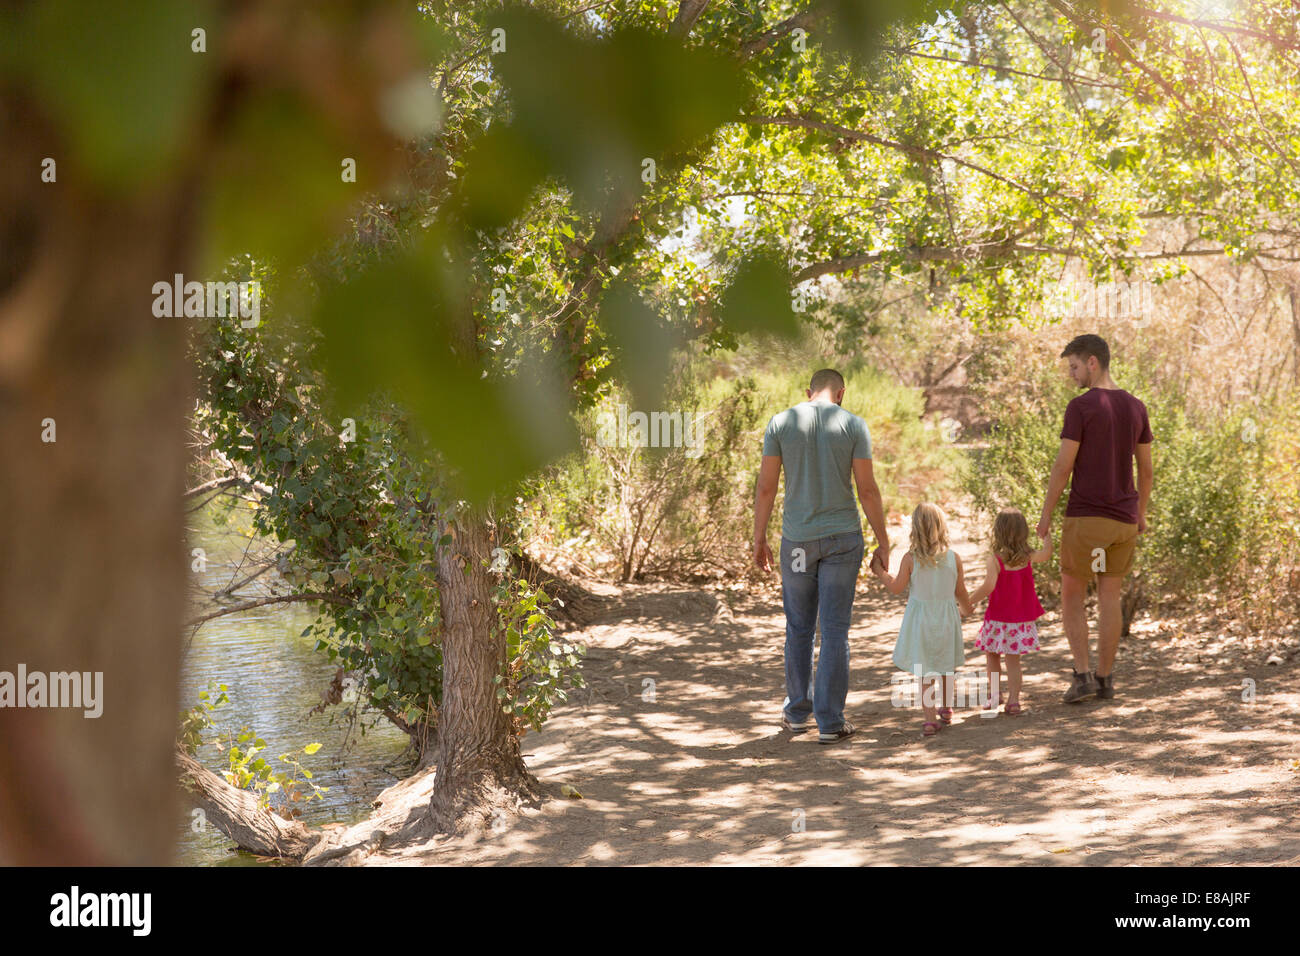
(1120, 46)
(1215, 26)
(261, 602)
(688, 11)
(229, 482)
(988, 250)
(1065, 78)
(921, 151)
(803, 21)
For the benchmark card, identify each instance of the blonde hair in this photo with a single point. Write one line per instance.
(929, 534)
(1011, 537)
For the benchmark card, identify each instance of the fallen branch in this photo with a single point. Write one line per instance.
(239, 815)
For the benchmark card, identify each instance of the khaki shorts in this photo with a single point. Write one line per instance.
(1094, 545)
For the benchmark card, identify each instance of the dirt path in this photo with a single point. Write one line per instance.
(1176, 770)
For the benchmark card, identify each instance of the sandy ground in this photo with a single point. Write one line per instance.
(1177, 769)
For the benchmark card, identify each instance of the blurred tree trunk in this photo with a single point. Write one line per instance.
(93, 567)
(92, 561)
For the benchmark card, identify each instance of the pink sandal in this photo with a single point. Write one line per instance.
(930, 728)
(1013, 709)
(945, 715)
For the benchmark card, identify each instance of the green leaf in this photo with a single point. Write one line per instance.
(413, 305)
(120, 78)
(759, 298)
(278, 153)
(591, 110)
(645, 344)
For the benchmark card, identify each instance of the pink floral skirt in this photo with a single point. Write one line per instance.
(998, 637)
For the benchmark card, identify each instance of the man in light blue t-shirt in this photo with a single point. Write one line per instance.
(823, 450)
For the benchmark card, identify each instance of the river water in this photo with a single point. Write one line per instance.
(274, 677)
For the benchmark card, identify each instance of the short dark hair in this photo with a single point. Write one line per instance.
(1086, 345)
(826, 378)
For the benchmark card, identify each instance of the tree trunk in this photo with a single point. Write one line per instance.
(92, 560)
(239, 815)
(479, 764)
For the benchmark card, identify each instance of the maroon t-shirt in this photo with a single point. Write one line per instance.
(1108, 424)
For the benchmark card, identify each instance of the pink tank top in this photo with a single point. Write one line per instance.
(1014, 600)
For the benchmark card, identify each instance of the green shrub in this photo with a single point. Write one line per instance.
(540, 668)
(656, 511)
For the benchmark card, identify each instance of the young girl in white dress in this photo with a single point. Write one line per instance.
(929, 640)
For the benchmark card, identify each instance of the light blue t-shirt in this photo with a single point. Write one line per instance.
(817, 442)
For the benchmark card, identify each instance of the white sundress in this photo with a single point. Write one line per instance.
(930, 639)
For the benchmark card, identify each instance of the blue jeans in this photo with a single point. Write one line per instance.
(820, 578)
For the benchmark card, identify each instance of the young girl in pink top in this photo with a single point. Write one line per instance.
(1010, 621)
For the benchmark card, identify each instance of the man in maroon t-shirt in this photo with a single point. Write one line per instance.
(1105, 429)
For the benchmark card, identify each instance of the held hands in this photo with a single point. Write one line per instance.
(1044, 526)
(880, 564)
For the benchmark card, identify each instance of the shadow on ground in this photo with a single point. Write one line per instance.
(676, 750)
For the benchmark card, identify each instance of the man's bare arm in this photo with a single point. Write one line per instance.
(1061, 470)
(1146, 477)
(769, 480)
(873, 503)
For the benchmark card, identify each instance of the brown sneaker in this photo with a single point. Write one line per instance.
(1105, 687)
(1084, 686)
